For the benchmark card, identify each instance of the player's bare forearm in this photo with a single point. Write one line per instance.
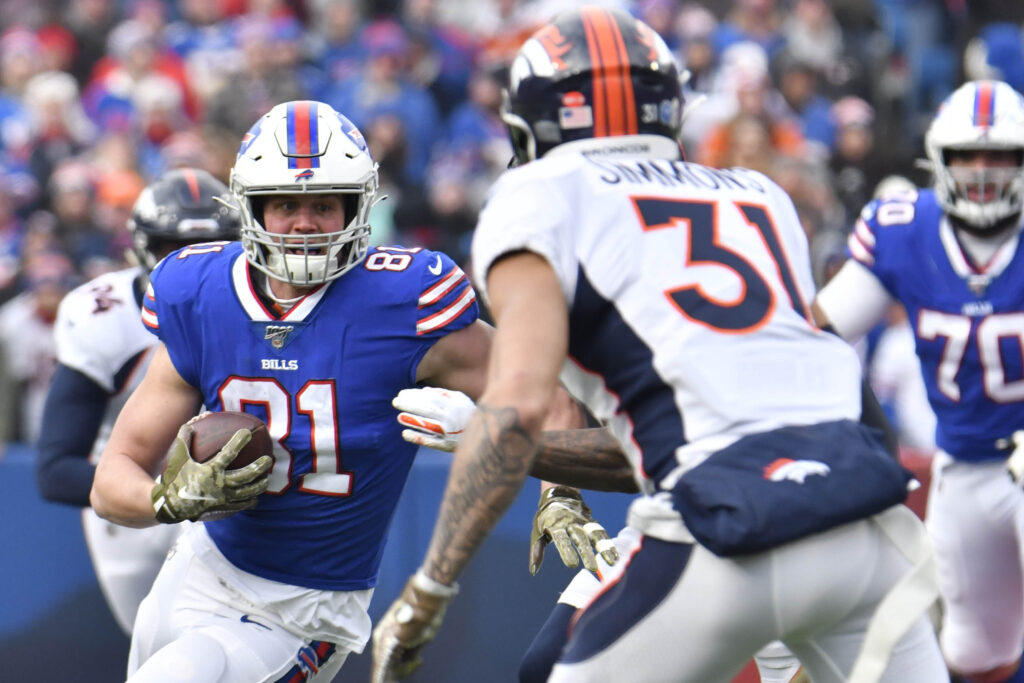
(489, 468)
(585, 459)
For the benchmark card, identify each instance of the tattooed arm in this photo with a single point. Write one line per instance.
(585, 459)
(493, 458)
(500, 443)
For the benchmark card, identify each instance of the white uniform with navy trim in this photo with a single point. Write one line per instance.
(688, 330)
(98, 333)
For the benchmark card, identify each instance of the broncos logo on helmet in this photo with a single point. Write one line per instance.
(592, 72)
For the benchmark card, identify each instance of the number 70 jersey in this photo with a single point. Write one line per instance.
(968, 322)
(688, 289)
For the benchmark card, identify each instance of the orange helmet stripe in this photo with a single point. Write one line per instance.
(193, 183)
(614, 113)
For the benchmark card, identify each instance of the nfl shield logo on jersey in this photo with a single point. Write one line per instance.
(277, 334)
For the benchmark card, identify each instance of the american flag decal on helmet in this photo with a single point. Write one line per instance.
(303, 135)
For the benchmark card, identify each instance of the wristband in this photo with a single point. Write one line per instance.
(428, 585)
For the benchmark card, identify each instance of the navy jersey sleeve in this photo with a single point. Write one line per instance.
(76, 403)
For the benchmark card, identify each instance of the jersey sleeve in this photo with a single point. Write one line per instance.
(524, 212)
(165, 312)
(879, 237)
(447, 301)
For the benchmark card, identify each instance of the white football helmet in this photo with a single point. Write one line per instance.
(979, 115)
(304, 147)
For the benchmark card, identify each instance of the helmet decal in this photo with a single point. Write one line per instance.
(303, 141)
(349, 129)
(250, 137)
(555, 46)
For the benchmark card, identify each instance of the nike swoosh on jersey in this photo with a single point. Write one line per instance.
(247, 620)
(436, 268)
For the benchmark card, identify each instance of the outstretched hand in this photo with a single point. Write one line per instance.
(433, 417)
(564, 519)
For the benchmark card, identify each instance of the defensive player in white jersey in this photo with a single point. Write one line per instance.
(951, 255)
(308, 327)
(103, 350)
(673, 298)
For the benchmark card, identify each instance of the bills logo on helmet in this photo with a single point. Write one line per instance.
(305, 175)
(249, 138)
(783, 469)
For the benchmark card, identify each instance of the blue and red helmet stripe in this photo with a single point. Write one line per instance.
(303, 141)
(984, 104)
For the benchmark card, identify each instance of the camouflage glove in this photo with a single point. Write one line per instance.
(433, 417)
(410, 623)
(564, 519)
(1014, 463)
(192, 490)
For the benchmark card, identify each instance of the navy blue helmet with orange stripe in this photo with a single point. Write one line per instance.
(592, 72)
(178, 209)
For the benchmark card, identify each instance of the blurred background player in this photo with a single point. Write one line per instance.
(102, 351)
(951, 255)
(674, 290)
(308, 327)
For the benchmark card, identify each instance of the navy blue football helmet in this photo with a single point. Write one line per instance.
(592, 72)
(181, 208)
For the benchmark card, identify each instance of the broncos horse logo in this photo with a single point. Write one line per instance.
(783, 469)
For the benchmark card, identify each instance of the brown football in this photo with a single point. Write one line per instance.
(213, 430)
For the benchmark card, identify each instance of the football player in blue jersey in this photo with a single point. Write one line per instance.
(672, 300)
(952, 256)
(102, 352)
(308, 327)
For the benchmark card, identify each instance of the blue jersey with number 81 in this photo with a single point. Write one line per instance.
(322, 377)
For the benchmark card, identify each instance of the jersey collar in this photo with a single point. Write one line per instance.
(632, 146)
(245, 289)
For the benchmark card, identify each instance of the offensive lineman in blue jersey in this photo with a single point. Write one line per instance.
(308, 327)
(952, 256)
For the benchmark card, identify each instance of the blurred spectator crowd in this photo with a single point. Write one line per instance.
(98, 97)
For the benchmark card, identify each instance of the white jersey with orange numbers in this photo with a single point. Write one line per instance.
(700, 280)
